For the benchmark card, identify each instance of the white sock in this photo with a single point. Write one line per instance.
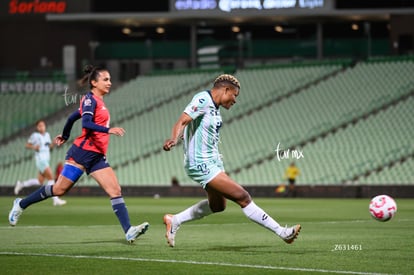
(256, 214)
(51, 182)
(30, 182)
(195, 212)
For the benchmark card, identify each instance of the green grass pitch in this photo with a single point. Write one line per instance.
(83, 237)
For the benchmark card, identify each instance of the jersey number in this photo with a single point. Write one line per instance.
(203, 168)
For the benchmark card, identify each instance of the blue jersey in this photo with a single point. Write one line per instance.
(201, 136)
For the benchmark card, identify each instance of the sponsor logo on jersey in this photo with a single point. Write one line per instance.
(87, 102)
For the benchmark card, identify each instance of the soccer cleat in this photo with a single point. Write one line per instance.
(171, 229)
(136, 231)
(18, 187)
(15, 212)
(58, 202)
(289, 234)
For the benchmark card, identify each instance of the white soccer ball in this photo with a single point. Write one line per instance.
(382, 208)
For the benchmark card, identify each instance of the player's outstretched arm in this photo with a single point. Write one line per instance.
(68, 125)
(177, 131)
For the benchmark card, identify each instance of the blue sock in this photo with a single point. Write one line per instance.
(40, 194)
(118, 205)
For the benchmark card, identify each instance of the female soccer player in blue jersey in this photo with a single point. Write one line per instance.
(41, 143)
(199, 127)
(87, 154)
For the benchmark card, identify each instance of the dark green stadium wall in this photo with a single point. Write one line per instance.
(255, 49)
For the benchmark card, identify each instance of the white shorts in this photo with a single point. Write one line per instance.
(42, 164)
(203, 173)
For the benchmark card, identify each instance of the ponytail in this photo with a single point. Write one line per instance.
(90, 73)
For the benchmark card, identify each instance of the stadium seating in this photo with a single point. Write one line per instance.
(132, 113)
(158, 123)
(322, 107)
(349, 122)
(22, 110)
(148, 92)
(369, 144)
(399, 173)
(265, 84)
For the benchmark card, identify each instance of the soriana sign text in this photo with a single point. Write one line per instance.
(36, 7)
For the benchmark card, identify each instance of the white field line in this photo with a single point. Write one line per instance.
(188, 262)
(189, 225)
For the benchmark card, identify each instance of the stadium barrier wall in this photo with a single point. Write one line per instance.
(316, 191)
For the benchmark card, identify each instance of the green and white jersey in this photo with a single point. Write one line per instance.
(201, 136)
(44, 142)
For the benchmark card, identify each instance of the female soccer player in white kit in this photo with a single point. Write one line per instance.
(199, 126)
(41, 144)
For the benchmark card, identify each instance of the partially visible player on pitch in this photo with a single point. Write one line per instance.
(87, 154)
(199, 126)
(41, 143)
